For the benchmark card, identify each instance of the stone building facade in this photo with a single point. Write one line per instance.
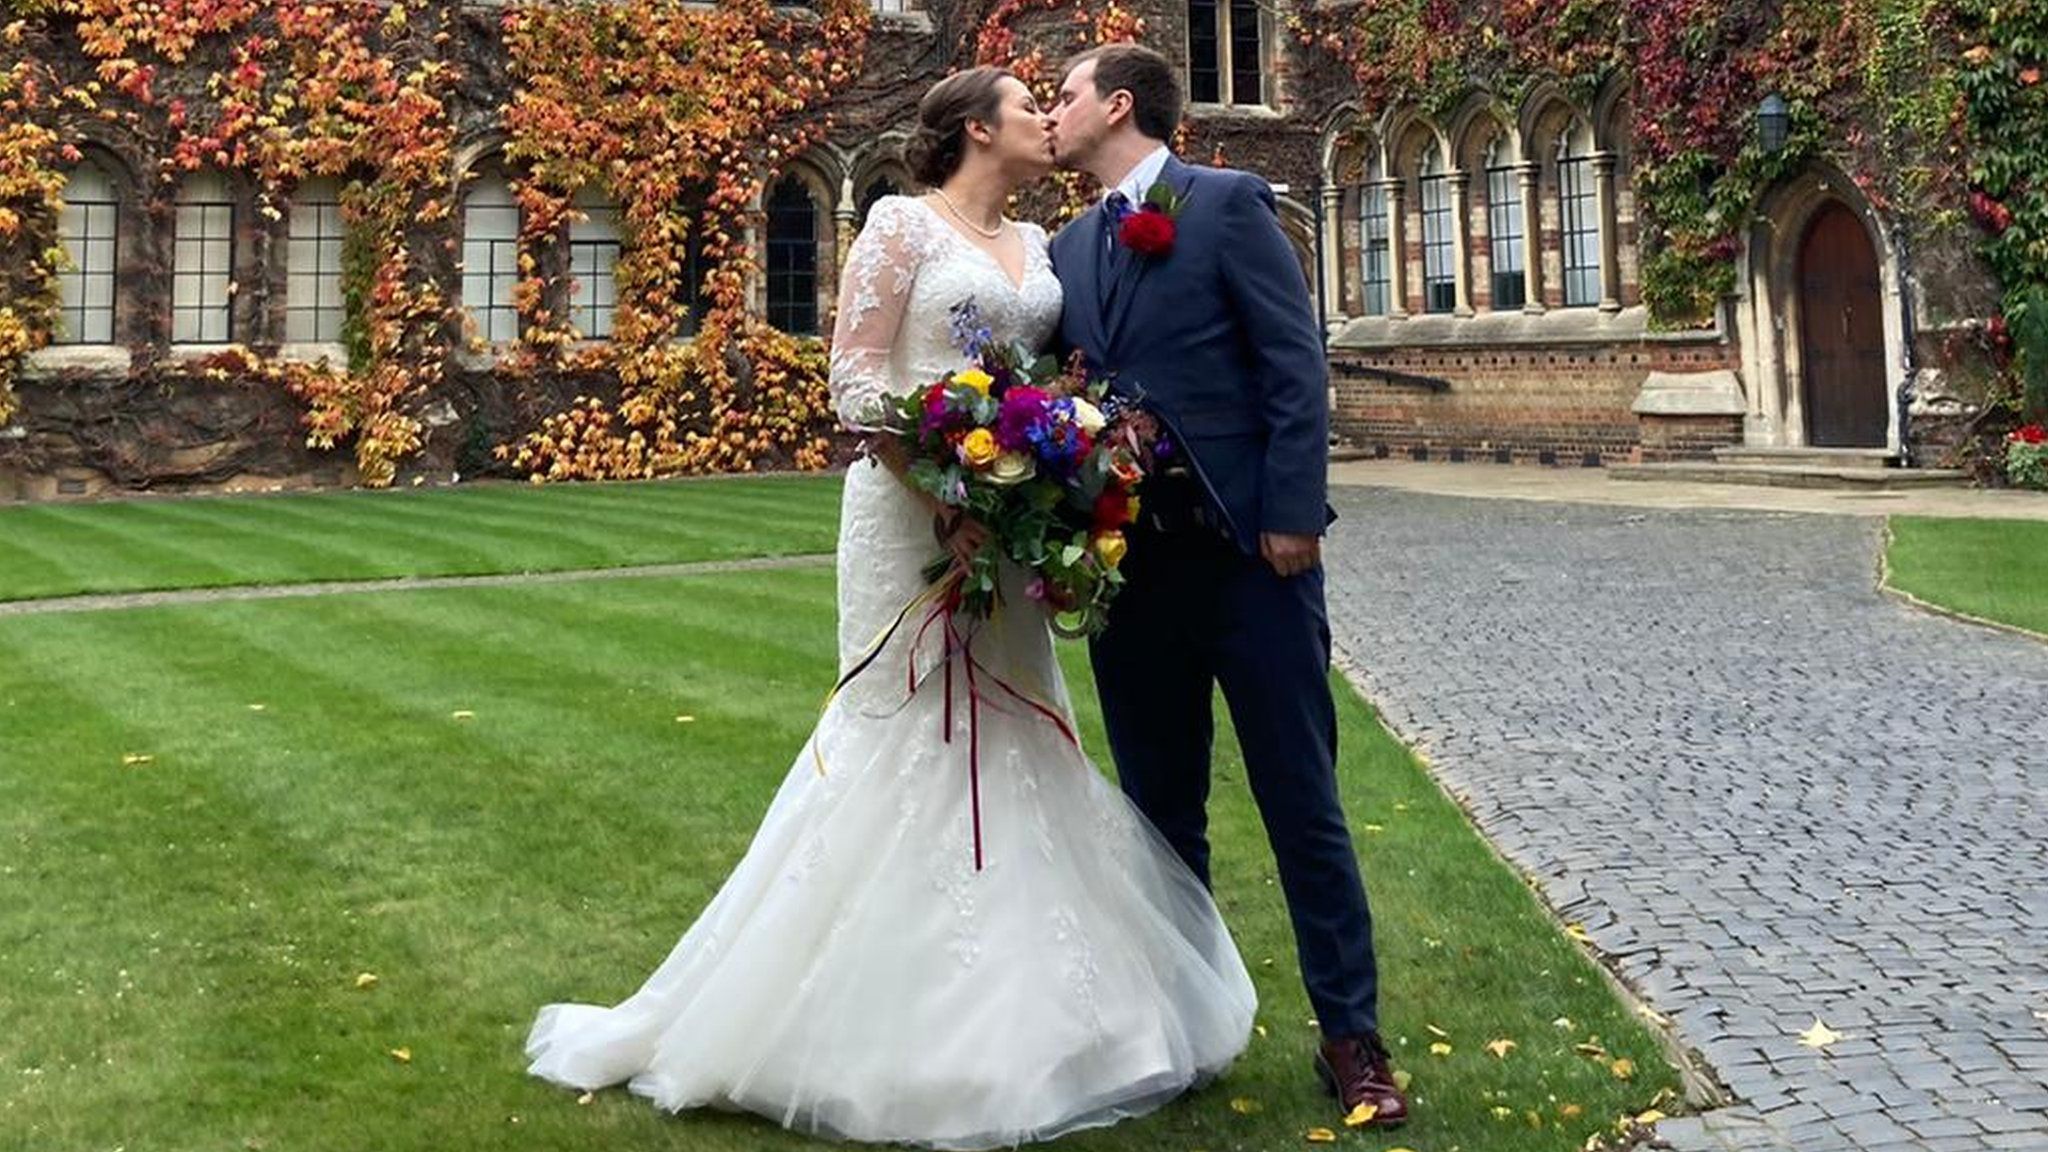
(1478, 273)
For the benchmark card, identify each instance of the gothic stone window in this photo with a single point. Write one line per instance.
(490, 258)
(1226, 52)
(793, 258)
(1439, 256)
(202, 261)
(313, 306)
(1578, 218)
(593, 265)
(89, 228)
(1375, 241)
(1505, 241)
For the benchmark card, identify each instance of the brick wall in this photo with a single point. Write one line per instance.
(1568, 402)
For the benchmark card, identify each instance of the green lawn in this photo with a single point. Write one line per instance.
(1996, 569)
(143, 545)
(182, 935)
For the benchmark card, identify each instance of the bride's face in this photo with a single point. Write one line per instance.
(1019, 140)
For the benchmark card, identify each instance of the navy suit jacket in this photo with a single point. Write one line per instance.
(1219, 338)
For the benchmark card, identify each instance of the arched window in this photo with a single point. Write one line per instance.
(877, 188)
(1375, 240)
(1226, 52)
(593, 264)
(1578, 214)
(313, 307)
(1505, 239)
(1439, 252)
(89, 227)
(793, 258)
(203, 261)
(490, 258)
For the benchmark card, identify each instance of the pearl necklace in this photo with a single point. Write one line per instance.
(988, 233)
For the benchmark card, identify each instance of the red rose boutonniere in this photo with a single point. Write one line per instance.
(1150, 230)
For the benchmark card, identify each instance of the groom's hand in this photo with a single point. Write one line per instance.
(1290, 555)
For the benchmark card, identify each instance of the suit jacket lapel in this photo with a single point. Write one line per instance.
(1132, 273)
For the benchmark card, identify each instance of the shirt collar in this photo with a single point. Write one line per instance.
(1139, 180)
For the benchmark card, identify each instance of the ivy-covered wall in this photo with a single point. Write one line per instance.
(683, 113)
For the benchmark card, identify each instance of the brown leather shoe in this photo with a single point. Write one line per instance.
(1354, 1070)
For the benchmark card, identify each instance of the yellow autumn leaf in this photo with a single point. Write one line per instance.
(1439, 1049)
(1361, 1115)
(1819, 1036)
(1433, 1030)
(1374, 829)
(1501, 1047)
(1244, 1105)
(257, 707)
(133, 759)
(463, 714)
(686, 719)
(1578, 932)
(1648, 1118)
(1403, 1078)
(1562, 1023)
(1623, 1069)
(1319, 1136)
(402, 1055)
(366, 980)
(1500, 1113)
(1569, 1111)
(586, 1098)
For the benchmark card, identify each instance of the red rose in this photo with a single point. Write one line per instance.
(1148, 231)
(2030, 434)
(1112, 511)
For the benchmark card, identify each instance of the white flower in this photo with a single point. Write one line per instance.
(1012, 468)
(1088, 416)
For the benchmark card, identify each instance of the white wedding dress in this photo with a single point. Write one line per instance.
(857, 977)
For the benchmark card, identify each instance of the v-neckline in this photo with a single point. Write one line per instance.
(1024, 271)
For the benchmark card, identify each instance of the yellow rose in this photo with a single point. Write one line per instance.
(1012, 468)
(974, 378)
(978, 448)
(1110, 548)
(1088, 416)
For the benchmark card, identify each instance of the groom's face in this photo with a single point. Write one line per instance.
(1080, 118)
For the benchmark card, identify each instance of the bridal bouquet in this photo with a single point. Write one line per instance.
(1044, 458)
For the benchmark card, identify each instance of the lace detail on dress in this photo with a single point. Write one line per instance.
(908, 263)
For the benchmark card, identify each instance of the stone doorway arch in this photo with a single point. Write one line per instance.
(1820, 321)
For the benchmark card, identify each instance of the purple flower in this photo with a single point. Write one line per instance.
(1024, 409)
(970, 335)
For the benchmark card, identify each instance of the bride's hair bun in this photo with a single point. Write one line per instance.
(939, 143)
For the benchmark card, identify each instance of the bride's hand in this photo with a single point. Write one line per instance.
(961, 533)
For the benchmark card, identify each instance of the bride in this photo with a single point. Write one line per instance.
(857, 977)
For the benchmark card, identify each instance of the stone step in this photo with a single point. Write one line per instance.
(1855, 478)
(1872, 458)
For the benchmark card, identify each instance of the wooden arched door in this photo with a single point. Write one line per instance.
(1841, 333)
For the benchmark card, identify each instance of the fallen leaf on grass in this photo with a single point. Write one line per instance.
(1403, 1078)
(366, 980)
(1623, 1069)
(402, 1055)
(1374, 829)
(1319, 1136)
(586, 1098)
(257, 707)
(1244, 1106)
(686, 719)
(1562, 1023)
(1439, 1049)
(1578, 932)
(1433, 1030)
(1648, 1118)
(1361, 1115)
(463, 714)
(1500, 1113)
(1819, 1036)
(133, 759)
(1569, 1111)
(1501, 1047)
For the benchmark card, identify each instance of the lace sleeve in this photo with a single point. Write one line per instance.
(881, 267)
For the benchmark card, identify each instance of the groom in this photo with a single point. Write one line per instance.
(1209, 321)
